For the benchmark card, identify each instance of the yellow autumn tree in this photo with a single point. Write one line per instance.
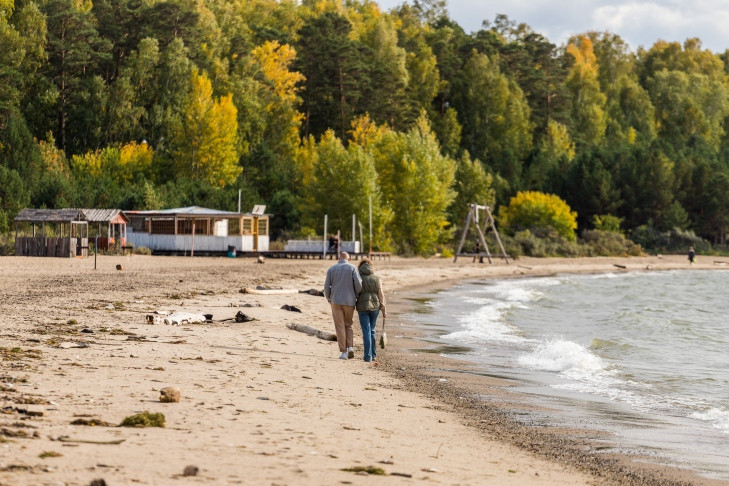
(531, 209)
(206, 139)
(281, 98)
(588, 102)
(135, 158)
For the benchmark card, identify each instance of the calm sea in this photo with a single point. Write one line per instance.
(641, 356)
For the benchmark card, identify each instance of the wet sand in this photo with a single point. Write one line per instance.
(261, 403)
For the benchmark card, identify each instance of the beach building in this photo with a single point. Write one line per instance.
(107, 227)
(195, 229)
(51, 233)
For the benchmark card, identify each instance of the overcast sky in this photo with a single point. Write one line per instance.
(639, 23)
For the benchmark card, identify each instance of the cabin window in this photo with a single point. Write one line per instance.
(247, 226)
(263, 226)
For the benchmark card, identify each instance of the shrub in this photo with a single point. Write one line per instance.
(609, 243)
(607, 222)
(531, 209)
(543, 242)
(141, 250)
(673, 241)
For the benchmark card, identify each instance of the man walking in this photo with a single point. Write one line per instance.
(341, 287)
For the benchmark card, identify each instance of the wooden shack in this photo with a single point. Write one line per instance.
(107, 227)
(195, 229)
(51, 233)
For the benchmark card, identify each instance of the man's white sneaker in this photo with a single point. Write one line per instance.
(343, 356)
(350, 353)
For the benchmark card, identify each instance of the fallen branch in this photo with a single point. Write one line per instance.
(82, 441)
(326, 336)
(619, 266)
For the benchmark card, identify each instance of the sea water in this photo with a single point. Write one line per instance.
(641, 357)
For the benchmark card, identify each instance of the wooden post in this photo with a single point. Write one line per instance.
(463, 236)
(192, 243)
(324, 255)
(361, 240)
(496, 234)
(370, 254)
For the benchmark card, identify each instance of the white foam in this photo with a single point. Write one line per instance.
(486, 324)
(717, 418)
(566, 357)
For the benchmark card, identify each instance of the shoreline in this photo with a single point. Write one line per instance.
(457, 383)
(261, 404)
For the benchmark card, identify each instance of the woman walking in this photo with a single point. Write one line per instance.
(369, 303)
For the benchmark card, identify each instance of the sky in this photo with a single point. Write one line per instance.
(639, 23)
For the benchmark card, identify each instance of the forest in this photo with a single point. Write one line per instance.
(317, 107)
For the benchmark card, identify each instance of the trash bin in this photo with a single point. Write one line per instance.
(231, 251)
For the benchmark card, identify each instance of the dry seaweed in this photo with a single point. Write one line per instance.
(144, 419)
(376, 471)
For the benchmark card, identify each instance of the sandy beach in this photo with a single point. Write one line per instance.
(261, 403)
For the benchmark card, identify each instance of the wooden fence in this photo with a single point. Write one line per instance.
(51, 246)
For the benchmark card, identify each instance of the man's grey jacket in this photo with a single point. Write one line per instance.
(342, 284)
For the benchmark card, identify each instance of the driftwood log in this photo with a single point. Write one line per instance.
(326, 336)
(249, 290)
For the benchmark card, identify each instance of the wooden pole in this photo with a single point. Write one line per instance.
(361, 240)
(192, 243)
(496, 233)
(324, 255)
(465, 231)
(370, 227)
(354, 233)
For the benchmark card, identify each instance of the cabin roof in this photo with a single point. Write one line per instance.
(50, 215)
(105, 216)
(189, 212)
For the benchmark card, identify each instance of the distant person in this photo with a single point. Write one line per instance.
(334, 244)
(370, 301)
(477, 252)
(691, 255)
(341, 287)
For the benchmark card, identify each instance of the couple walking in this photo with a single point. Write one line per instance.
(347, 287)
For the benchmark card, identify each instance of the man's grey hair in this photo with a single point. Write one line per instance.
(344, 256)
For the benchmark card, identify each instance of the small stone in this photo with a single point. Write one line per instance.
(119, 267)
(190, 471)
(169, 395)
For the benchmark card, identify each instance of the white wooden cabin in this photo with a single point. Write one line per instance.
(195, 229)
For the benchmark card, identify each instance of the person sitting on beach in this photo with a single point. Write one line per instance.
(369, 304)
(341, 287)
(333, 243)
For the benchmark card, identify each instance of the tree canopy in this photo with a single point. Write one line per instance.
(318, 107)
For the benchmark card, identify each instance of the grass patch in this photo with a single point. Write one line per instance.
(45, 454)
(17, 354)
(92, 422)
(118, 331)
(144, 419)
